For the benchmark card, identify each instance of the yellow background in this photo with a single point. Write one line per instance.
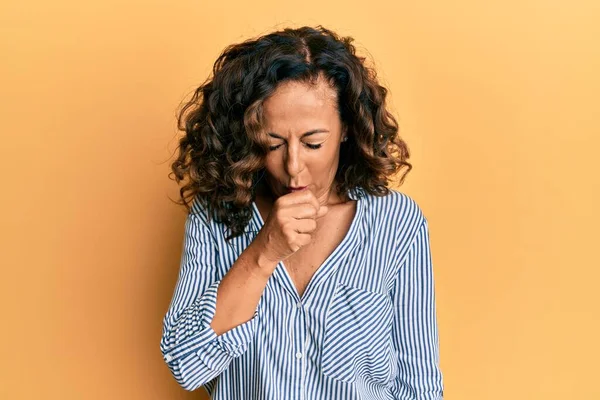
(499, 102)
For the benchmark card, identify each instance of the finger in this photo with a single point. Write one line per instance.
(322, 211)
(303, 239)
(305, 225)
(303, 196)
(300, 211)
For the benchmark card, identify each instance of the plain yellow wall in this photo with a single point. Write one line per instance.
(499, 102)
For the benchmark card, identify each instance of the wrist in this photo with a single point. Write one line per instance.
(259, 262)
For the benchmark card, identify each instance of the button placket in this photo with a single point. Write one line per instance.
(300, 323)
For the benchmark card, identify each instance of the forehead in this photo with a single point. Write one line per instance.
(295, 106)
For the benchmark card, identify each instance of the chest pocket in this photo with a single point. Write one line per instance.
(358, 336)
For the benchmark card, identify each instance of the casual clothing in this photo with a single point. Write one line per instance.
(365, 327)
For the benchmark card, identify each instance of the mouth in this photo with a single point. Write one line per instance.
(296, 189)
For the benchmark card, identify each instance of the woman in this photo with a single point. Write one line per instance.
(303, 276)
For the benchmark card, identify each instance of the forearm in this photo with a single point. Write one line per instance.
(241, 288)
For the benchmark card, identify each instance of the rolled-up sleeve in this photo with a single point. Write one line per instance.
(192, 350)
(415, 331)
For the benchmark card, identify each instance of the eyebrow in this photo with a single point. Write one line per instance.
(303, 135)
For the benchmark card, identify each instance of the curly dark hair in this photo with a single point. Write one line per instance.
(223, 149)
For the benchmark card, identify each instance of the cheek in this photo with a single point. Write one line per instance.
(323, 164)
(331, 155)
(273, 164)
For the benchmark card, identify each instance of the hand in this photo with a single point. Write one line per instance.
(290, 224)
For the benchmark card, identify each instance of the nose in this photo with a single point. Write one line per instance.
(293, 162)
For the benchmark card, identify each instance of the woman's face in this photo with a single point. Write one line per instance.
(304, 132)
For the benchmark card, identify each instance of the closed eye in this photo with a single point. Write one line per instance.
(314, 146)
(310, 146)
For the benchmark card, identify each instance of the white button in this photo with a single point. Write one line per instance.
(168, 358)
(299, 305)
(298, 355)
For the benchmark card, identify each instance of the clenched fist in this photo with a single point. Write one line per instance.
(290, 225)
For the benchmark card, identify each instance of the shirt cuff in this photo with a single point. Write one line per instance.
(222, 348)
(216, 351)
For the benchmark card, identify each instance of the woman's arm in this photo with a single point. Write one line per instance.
(201, 335)
(415, 332)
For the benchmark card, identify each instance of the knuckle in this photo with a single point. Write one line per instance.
(280, 220)
(290, 242)
(277, 205)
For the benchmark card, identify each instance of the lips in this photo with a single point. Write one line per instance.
(296, 189)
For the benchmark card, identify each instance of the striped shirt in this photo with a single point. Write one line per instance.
(365, 327)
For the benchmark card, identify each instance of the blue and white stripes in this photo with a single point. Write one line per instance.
(365, 327)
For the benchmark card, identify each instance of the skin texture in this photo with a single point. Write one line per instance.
(221, 156)
(293, 110)
(293, 220)
(305, 135)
